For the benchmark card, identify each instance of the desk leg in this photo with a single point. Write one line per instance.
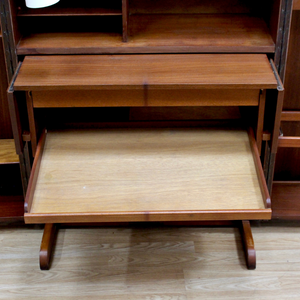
(248, 243)
(47, 246)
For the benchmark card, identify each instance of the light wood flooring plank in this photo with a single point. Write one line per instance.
(150, 262)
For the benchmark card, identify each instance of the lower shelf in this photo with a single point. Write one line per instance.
(11, 208)
(285, 200)
(11, 193)
(119, 175)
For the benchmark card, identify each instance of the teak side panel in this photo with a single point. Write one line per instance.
(147, 174)
(285, 200)
(164, 33)
(247, 71)
(140, 97)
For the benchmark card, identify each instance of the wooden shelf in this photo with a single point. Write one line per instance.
(74, 8)
(11, 208)
(173, 71)
(169, 33)
(108, 175)
(285, 200)
(67, 12)
(8, 152)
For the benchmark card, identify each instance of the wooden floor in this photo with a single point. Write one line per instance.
(151, 262)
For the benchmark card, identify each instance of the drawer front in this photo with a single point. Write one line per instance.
(145, 97)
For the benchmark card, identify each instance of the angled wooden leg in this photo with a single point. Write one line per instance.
(47, 246)
(248, 243)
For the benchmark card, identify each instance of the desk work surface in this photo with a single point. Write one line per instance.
(250, 71)
(146, 171)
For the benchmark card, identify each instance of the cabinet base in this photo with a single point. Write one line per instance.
(50, 232)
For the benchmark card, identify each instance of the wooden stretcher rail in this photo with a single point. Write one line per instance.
(141, 97)
(289, 141)
(290, 116)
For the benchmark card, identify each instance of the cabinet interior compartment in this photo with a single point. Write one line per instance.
(146, 27)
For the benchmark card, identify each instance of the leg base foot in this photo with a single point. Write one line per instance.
(248, 243)
(47, 246)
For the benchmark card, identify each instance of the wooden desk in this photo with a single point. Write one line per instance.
(148, 55)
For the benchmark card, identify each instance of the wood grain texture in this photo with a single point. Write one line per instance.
(259, 170)
(184, 113)
(296, 5)
(248, 71)
(125, 20)
(276, 127)
(145, 262)
(47, 246)
(248, 244)
(34, 173)
(162, 34)
(292, 76)
(285, 200)
(5, 123)
(54, 11)
(289, 142)
(11, 208)
(32, 123)
(290, 115)
(139, 98)
(260, 120)
(190, 7)
(8, 152)
(203, 97)
(90, 98)
(287, 159)
(147, 174)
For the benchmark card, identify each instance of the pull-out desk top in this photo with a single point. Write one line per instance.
(147, 174)
(205, 71)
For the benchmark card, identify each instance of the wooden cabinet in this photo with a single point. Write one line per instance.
(285, 192)
(5, 125)
(11, 196)
(147, 111)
